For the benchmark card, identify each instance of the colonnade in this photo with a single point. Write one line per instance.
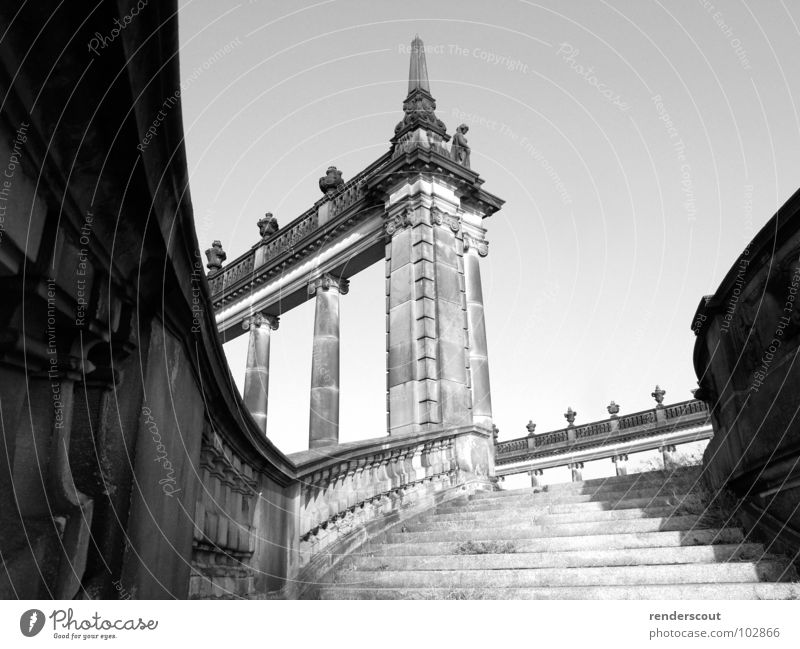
(326, 290)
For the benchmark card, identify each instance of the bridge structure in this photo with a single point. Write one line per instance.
(663, 428)
(419, 209)
(131, 467)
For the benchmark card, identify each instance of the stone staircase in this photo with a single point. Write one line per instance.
(642, 536)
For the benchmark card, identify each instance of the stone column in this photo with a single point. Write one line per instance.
(535, 474)
(668, 456)
(323, 426)
(577, 473)
(478, 354)
(256, 378)
(621, 463)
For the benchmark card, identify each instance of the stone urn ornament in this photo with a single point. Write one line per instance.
(613, 409)
(215, 255)
(331, 182)
(267, 225)
(531, 427)
(570, 417)
(658, 395)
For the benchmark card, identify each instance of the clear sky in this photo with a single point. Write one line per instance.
(638, 145)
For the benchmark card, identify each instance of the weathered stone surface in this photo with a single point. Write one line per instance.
(531, 550)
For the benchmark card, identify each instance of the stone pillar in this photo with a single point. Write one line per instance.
(577, 473)
(535, 474)
(668, 456)
(428, 356)
(323, 427)
(621, 463)
(478, 354)
(256, 378)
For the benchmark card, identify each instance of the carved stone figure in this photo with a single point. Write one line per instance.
(215, 255)
(268, 225)
(459, 150)
(331, 181)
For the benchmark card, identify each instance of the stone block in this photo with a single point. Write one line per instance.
(445, 245)
(402, 405)
(448, 284)
(451, 322)
(422, 251)
(452, 363)
(421, 234)
(423, 270)
(424, 288)
(400, 286)
(425, 328)
(454, 399)
(426, 348)
(426, 368)
(400, 364)
(401, 250)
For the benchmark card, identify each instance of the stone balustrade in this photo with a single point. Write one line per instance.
(346, 488)
(297, 237)
(638, 431)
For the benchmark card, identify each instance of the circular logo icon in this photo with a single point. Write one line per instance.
(31, 622)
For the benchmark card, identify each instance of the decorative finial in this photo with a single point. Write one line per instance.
(459, 149)
(331, 182)
(495, 432)
(215, 255)
(613, 409)
(570, 416)
(419, 105)
(267, 226)
(531, 427)
(658, 395)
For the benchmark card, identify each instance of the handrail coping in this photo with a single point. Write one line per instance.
(307, 462)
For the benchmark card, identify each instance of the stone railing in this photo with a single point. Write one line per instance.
(362, 487)
(240, 268)
(638, 425)
(223, 540)
(294, 234)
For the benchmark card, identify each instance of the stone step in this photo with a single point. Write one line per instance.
(490, 508)
(567, 498)
(685, 476)
(571, 559)
(554, 544)
(652, 477)
(542, 516)
(718, 591)
(609, 490)
(481, 530)
(703, 573)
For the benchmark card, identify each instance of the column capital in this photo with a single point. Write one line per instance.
(481, 246)
(439, 217)
(260, 320)
(399, 221)
(326, 282)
